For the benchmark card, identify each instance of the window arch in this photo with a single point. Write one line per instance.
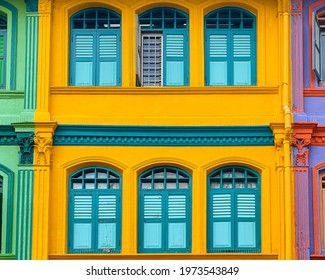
(230, 47)
(95, 211)
(3, 49)
(95, 54)
(163, 48)
(234, 210)
(164, 211)
(6, 204)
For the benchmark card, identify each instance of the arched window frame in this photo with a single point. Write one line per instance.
(165, 216)
(234, 210)
(95, 48)
(163, 41)
(230, 47)
(6, 218)
(99, 197)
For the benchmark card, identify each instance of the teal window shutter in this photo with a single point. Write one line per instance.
(95, 57)
(230, 48)
(3, 43)
(234, 210)
(164, 47)
(94, 211)
(164, 211)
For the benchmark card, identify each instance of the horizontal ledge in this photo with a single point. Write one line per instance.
(74, 90)
(11, 94)
(164, 257)
(314, 92)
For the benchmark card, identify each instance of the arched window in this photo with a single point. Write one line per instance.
(163, 48)
(95, 58)
(230, 48)
(95, 211)
(164, 211)
(3, 50)
(234, 210)
(322, 202)
(319, 45)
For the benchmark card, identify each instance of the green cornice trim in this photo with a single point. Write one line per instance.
(7, 135)
(92, 135)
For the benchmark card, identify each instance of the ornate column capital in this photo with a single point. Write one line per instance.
(301, 142)
(43, 149)
(31, 5)
(45, 6)
(25, 141)
(296, 5)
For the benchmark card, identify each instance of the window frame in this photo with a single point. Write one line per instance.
(231, 210)
(230, 34)
(164, 218)
(95, 219)
(322, 209)
(96, 33)
(183, 55)
(318, 46)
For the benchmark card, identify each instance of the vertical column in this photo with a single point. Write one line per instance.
(42, 165)
(31, 60)
(42, 112)
(301, 141)
(25, 141)
(297, 56)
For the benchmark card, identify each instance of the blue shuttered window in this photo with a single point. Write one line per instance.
(318, 45)
(95, 48)
(164, 211)
(163, 48)
(3, 50)
(234, 210)
(230, 48)
(95, 211)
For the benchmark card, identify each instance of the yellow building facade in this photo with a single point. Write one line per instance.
(202, 134)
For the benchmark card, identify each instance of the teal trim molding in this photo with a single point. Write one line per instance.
(7, 135)
(91, 135)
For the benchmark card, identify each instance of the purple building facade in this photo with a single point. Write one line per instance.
(308, 101)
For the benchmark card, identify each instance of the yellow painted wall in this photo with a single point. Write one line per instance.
(131, 161)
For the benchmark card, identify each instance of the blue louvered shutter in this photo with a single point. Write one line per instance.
(177, 205)
(247, 217)
(83, 54)
(316, 47)
(107, 221)
(82, 216)
(152, 222)
(221, 214)
(2, 58)
(175, 58)
(108, 59)
(243, 58)
(217, 59)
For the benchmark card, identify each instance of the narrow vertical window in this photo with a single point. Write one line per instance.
(95, 211)
(95, 58)
(233, 210)
(3, 44)
(164, 211)
(163, 48)
(230, 48)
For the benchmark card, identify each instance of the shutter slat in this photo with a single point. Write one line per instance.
(82, 207)
(175, 45)
(84, 46)
(152, 206)
(242, 45)
(218, 45)
(246, 206)
(221, 205)
(177, 206)
(108, 46)
(107, 207)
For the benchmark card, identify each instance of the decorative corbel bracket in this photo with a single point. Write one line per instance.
(25, 141)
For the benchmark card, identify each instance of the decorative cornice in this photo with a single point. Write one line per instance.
(43, 149)
(31, 5)
(7, 135)
(25, 142)
(86, 135)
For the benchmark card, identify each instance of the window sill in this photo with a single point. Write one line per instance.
(73, 90)
(7, 94)
(171, 256)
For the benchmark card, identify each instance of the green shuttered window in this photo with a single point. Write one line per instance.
(230, 48)
(234, 210)
(164, 211)
(95, 57)
(1, 203)
(163, 48)
(3, 47)
(95, 211)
